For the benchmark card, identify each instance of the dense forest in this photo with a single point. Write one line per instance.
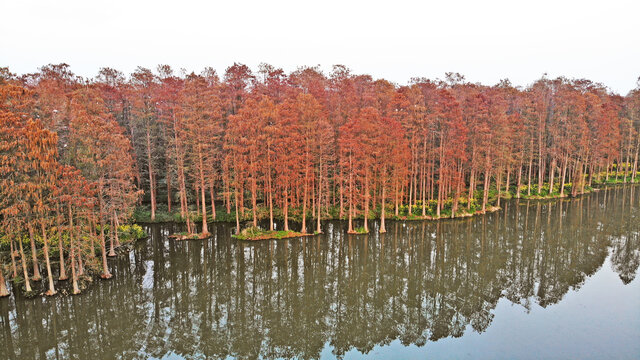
(80, 157)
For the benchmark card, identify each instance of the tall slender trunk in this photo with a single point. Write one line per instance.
(169, 191)
(635, 161)
(519, 181)
(529, 181)
(152, 185)
(424, 176)
(13, 259)
(23, 260)
(366, 200)
(318, 227)
(52, 289)
(499, 185)
(487, 183)
(552, 171)
(564, 173)
(441, 194)
(112, 251)
(205, 229)
(395, 195)
(63, 272)
(303, 228)
(383, 229)
(471, 188)
(105, 269)
(350, 195)
(74, 275)
(541, 159)
(212, 195)
(286, 209)
(3, 285)
(34, 255)
(237, 211)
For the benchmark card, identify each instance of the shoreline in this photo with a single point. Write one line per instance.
(260, 234)
(229, 218)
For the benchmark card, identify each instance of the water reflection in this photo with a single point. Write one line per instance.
(418, 283)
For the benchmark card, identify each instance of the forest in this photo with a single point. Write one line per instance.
(82, 159)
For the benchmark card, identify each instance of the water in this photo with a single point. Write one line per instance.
(535, 280)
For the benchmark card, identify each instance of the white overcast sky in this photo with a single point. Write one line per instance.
(485, 40)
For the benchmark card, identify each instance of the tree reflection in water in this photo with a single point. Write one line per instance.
(418, 283)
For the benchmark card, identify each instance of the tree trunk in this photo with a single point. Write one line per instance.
(105, 269)
(34, 255)
(112, 251)
(169, 191)
(366, 200)
(519, 181)
(152, 185)
(237, 212)
(487, 182)
(74, 276)
(13, 259)
(205, 229)
(350, 195)
(3, 285)
(303, 228)
(52, 289)
(552, 171)
(63, 272)
(383, 229)
(27, 282)
(318, 227)
(286, 209)
(564, 173)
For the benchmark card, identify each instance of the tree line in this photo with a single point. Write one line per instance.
(303, 146)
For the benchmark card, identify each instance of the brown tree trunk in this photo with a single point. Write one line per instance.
(52, 289)
(205, 229)
(105, 269)
(303, 228)
(152, 185)
(286, 210)
(34, 255)
(552, 171)
(487, 183)
(23, 260)
(169, 191)
(13, 259)
(366, 200)
(564, 173)
(112, 251)
(519, 181)
(350, 195)
(74, 276)
(3, 285)
(318, 227)
(383, 229)
(237, 211)
(63, 272)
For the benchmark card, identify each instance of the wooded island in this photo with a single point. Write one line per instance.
(81, 159)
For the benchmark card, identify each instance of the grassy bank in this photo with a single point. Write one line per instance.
(254, 233)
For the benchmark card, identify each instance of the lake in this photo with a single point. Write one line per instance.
(538, 279)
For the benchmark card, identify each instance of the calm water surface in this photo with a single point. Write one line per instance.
(535, 280)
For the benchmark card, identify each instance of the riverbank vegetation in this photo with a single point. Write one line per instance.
(256, 233)
(305, 146)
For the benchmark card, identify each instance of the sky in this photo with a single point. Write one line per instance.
(486, 40)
